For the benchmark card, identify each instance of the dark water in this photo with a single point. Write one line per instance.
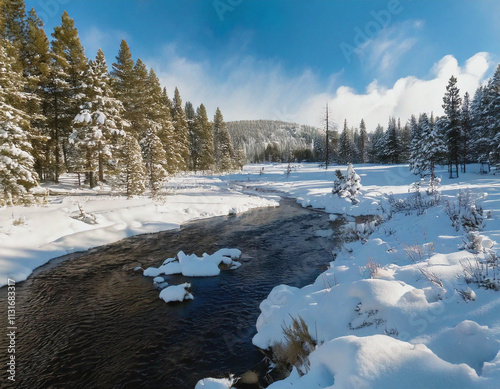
(92, 322)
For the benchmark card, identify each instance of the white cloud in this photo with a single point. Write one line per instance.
(246, 88)
(95, 38)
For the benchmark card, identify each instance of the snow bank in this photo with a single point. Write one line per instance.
(31, 236)
(176, 293)
(396, 309)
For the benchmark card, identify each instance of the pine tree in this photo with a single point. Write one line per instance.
(131, 170)
(223, 149)
(14, 29)
(190, 116)
(451, 104)
(65, 88)
(98, 127)
(376, 143)
(416, 158)
(405, 139)
(17, 174)
(36, 71)
(466, 126)
(479, 135)
(363, 142)
(433, 146)
(492, 96)
(166, 132)
(181, 138)
(203, 141)
(346, 146)
(123, 75)
(138, 108)
(391, 142)
(155, 161)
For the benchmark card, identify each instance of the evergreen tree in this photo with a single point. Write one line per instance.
(166, 132)
(203, 141)
(346, 146)
(180, 138)
(17, 174)
(14, 29)
(223, 149)
(433, 146)
(363, 142)
(391, 142)
(131, 170)
(405, 139)
(98, 127)
(466, 126)
(36, 55)
(123, 75)
(65, 88)
(451, 104)
(480, 139)
(377, 143)
(155, 160)
(190, 116)
(492, 96)
(416, 155)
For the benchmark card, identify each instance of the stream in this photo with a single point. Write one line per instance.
(90, 321)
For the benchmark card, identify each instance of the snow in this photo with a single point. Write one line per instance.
(54, 230)
(412, 320)
(214, 383)
(194, 266)
(176, 293)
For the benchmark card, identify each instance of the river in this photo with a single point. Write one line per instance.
(93, 322)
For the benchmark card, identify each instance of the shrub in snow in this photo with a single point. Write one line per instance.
(416, 202)
(348, 185)
(294, 350)
(466, 212)
(485, 273)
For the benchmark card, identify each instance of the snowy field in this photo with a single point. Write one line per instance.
(31, 236)
(413, 303)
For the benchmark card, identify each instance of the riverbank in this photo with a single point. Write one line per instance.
(414, 302)
(76, 219)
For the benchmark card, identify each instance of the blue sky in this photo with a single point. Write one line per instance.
(284, 59)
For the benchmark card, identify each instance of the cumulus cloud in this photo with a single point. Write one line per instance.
(247, 88)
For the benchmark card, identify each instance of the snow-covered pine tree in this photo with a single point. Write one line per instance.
(203, 145)
(223, 148)
(155, 161)
(493, 114)
(348, 185)
(480, 141)
(166, 132)
(363, 142)
(36, 57)
(190, 116)
(181, 138)
(65, 88)
(346, 146)
(131, 170)
(376, 144)
(433, 143)
(97, 128)
(466, 127)
(391, 144)
(451, 105)
(17, 174)
(416, 155)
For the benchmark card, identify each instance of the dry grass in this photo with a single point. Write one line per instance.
(295, 349)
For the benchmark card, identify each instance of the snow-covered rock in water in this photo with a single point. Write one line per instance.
(194, 266)
(215, 383)
(158, 280)
(177, 293)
